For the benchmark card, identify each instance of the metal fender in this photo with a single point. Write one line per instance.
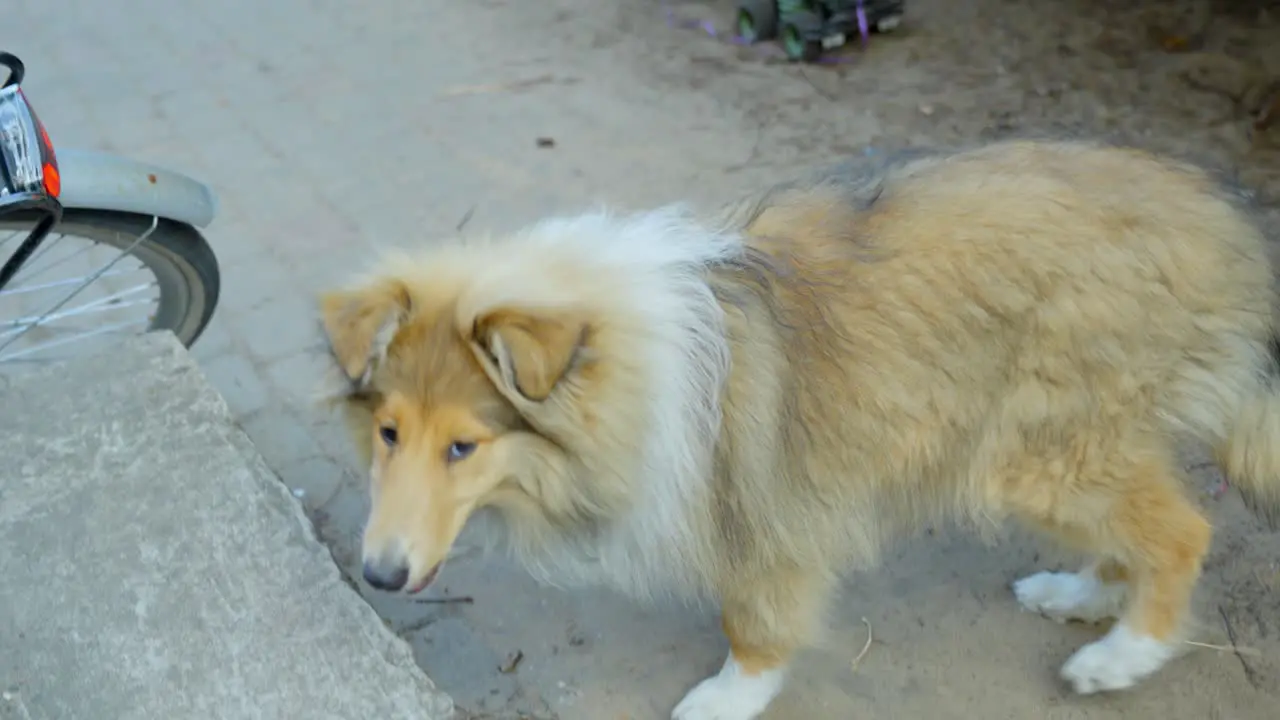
(94, 180)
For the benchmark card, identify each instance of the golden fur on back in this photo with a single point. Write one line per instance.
(746, 405)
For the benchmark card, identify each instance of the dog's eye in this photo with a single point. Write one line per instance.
(389, 435)
(460, 451)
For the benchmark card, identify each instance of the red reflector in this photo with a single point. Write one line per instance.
(48, 144)
(52, 180)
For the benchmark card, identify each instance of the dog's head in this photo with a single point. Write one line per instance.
(443, 401)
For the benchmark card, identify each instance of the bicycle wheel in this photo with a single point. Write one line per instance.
(74, 292)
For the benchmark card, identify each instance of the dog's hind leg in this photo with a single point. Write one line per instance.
(766, 621)
(1163, 540)
(1136, 512)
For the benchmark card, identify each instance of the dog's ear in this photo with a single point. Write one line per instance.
(528, 353)
(361, 323)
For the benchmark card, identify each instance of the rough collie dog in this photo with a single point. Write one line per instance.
(744, 405)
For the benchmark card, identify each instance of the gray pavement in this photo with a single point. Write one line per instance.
(155, 567)
(329, 129)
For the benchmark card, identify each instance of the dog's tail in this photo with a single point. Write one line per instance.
(1250, 452)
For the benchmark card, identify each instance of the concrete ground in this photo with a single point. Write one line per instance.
(133, 519)
(330, 129)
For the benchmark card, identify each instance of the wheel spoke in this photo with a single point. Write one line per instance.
(60, 283)
(63, 330)
(63, 341)
(46, 315)
(45, 247)
(9, 237)
(6, 343)
(105, 304)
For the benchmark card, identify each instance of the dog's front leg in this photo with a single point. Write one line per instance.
(766, 622)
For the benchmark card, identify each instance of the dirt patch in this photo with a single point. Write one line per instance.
(1196, 78)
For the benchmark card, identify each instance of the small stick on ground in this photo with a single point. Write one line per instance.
(497, 87)
(1251, 652)
(466, 218)
(853, 667)
(460, 600)
(512, 663)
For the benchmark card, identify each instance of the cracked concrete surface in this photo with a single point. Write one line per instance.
(154, 567)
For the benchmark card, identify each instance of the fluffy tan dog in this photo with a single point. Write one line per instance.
(744, 406)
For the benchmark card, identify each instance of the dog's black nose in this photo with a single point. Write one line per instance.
(388, 576)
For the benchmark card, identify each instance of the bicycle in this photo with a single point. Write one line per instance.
(146, 214)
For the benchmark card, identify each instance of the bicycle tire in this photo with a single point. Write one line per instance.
(182, 261)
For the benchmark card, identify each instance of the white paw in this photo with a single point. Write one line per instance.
(731, 695)
(1071, 596)
(1117, 661)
